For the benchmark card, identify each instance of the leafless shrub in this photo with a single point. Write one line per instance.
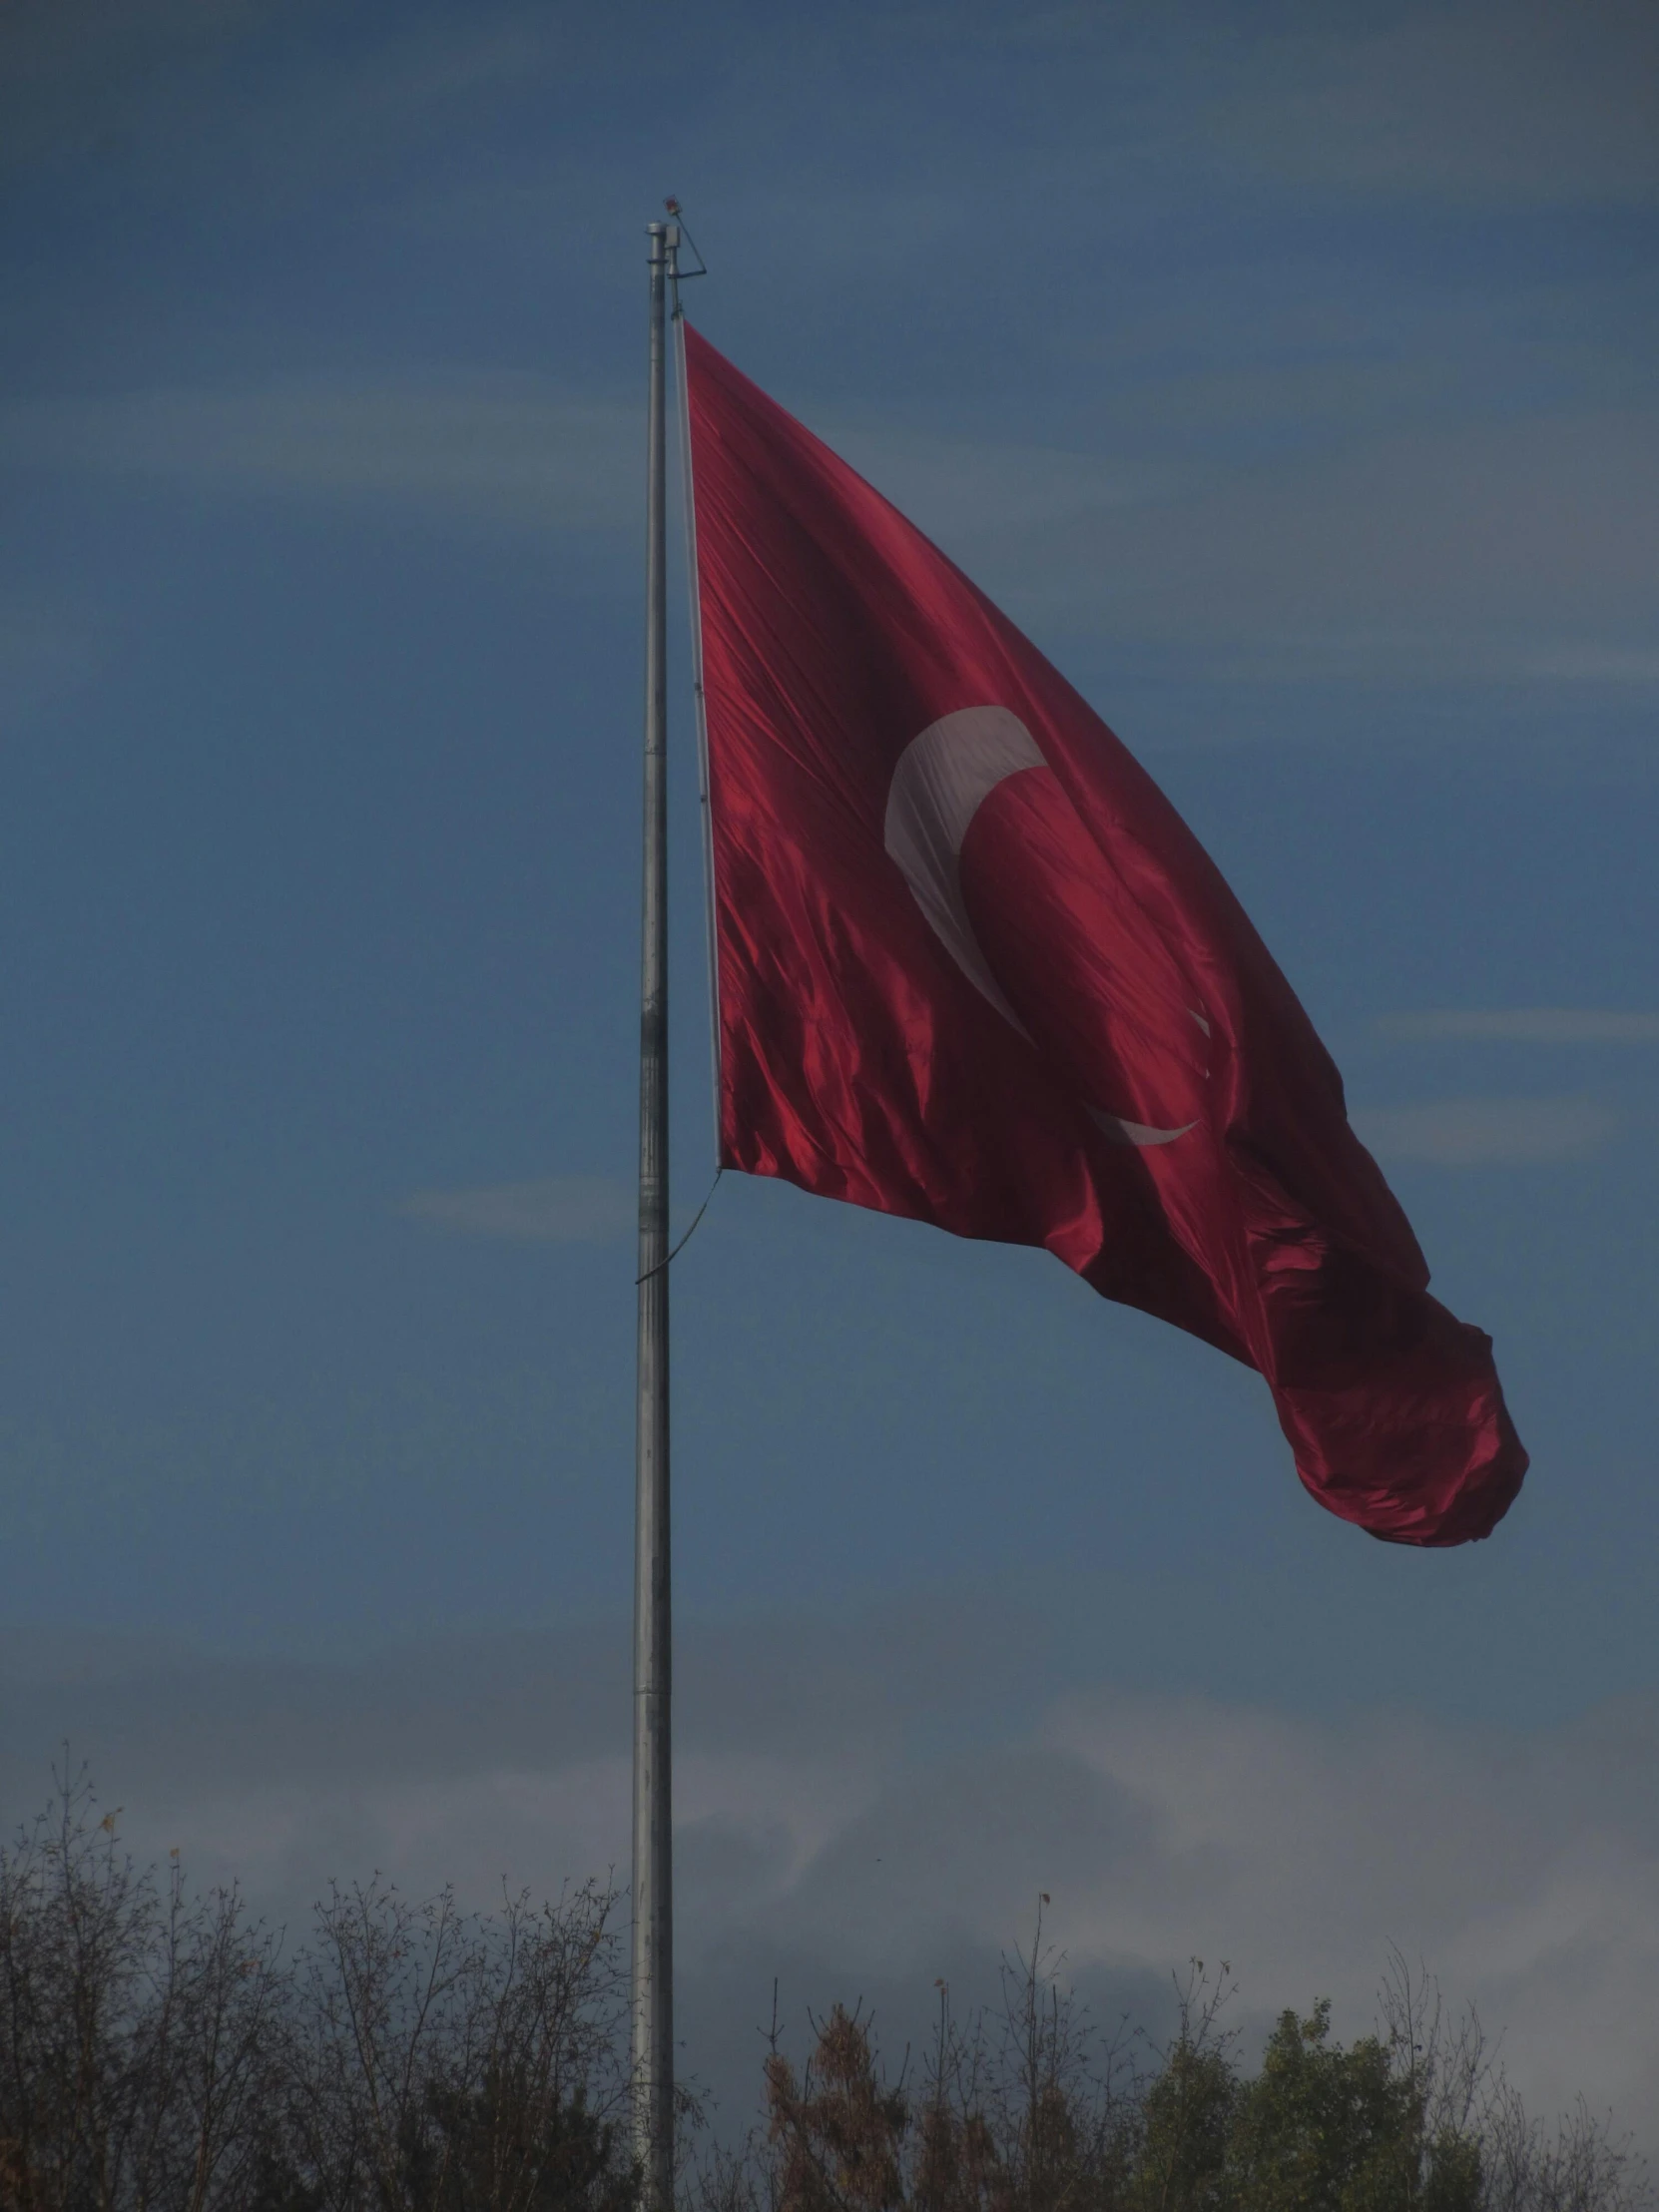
(1445, 2063)
(157, 2054)
(1578, 2166)
(140, 2052)
(444, 2060)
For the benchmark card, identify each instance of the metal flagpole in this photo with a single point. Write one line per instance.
(652, 1975)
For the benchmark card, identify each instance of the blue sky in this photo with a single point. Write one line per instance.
(1288, 373)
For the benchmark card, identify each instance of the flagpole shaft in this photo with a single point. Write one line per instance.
(651, 1975)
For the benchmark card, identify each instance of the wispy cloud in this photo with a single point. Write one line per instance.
(1525, 1025)
(83, 72)
(503, 448)
(516, 448)
(952, 485)
(1488, 1132)
(1460, 104)
(1464, 551)
(1599, 664)
(557, 1209)
(1520, 552)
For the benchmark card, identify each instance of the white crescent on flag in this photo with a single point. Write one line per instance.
(943, 779)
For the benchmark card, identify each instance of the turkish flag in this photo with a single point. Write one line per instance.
(974, 969)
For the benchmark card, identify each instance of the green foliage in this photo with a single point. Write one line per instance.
(1030, 2115)
(1188, 2110)
(1324, 2129)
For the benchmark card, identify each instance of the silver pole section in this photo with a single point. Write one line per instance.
(652, 1978)
(687, 485)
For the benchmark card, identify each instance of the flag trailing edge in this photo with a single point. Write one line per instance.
(972, 969)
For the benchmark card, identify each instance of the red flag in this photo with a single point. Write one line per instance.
(974, 969)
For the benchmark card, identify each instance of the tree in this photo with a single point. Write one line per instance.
(839, 2129)
(1324, 2129)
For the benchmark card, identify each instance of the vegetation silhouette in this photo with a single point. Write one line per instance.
(160, 2050)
